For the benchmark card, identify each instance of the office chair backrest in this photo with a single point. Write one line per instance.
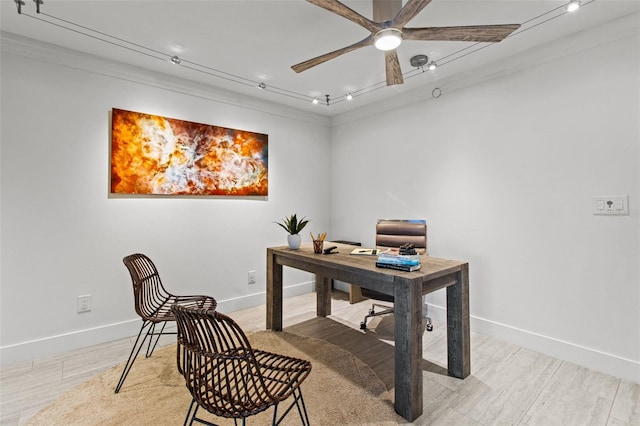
(393, 233)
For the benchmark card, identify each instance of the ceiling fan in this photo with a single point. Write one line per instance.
(388, 30)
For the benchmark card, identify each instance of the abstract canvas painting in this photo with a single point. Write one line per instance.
(151, 154)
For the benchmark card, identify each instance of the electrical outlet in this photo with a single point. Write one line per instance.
(252, 277)
(611, 205)
(84, 303)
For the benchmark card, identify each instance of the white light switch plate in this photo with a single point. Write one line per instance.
(611, 205)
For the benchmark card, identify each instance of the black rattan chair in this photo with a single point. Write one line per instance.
(153, 304)
(227, 377)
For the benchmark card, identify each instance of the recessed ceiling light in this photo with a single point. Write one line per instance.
(432, 65)
(349, 96)
(315, 101)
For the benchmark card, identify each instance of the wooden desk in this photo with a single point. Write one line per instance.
(407, 289)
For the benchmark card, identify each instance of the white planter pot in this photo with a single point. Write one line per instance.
(294, 241)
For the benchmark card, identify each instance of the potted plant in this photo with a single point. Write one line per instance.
(293, 226)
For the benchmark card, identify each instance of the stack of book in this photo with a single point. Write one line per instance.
(400, 262)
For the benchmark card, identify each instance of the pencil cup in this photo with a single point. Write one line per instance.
(317, 246)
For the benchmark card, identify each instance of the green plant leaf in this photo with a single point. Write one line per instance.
(292, 225)
(301, 225)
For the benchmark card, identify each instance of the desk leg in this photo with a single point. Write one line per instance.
(458, 335)
(274, 293)
(355, 294)
(323, 294)
(408, 349)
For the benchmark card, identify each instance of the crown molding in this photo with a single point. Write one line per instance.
(596, 37)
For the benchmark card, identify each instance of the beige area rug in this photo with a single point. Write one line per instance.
(341, 390)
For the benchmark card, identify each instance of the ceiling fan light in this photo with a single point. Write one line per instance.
(387, 39)
(573, 6)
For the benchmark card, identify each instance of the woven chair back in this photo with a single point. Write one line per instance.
(150, 296)
(223, 373)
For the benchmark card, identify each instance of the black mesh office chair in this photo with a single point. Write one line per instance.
(393, 234)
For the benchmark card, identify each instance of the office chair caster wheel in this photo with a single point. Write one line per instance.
(372, 312)
(363, 326)
(429, 326)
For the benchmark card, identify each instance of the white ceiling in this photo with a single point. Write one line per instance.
(238, 44)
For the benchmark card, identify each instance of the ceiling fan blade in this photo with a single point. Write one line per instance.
(408, 12)
(303, 66)
(479, 33)
(392, 67)
(340, 9)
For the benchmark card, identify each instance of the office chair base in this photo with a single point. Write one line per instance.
(363, 325)
(429, 326)
(372, 313)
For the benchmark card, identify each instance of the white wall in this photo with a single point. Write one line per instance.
(504, 172)
(63, 236)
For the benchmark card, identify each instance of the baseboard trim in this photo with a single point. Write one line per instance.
(60, 343)
(623, 368)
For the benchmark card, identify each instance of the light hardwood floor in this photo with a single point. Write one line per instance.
(508, 385)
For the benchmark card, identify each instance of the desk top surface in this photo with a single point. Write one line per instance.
(430, 266)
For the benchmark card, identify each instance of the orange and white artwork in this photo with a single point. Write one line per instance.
(151, 154)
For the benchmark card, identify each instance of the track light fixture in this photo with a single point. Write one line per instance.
(418, 61)
(573, 6)
(387, 39)
(19, 4)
